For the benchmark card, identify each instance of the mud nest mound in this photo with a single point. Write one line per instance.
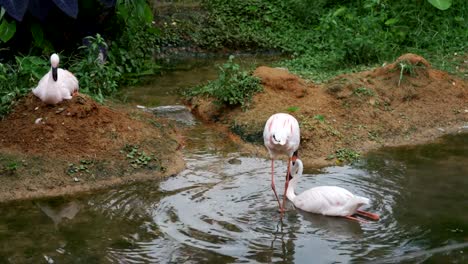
(80, 145)
(76, 128)
(404, 102)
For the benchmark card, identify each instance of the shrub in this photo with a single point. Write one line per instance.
(233, 87)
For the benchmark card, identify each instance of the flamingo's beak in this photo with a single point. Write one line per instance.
(294, 157)
(54, 73)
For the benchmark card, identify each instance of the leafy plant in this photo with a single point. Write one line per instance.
(137, 158)
(96, 76)
(83, 167)
(7, 29)
(17, 79)
(133, 52)
(233, 86)
(345, 155)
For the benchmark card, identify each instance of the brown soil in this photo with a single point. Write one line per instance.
(356, 112)
(80, 145)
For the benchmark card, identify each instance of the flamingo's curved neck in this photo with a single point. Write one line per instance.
(54, 73)
(296, 171)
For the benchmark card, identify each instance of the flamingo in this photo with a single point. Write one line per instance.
(56, 85)
(281, 137)
(327, 200)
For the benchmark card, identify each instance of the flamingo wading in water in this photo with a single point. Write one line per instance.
(281, 137)
(326, 200)
(56, 85)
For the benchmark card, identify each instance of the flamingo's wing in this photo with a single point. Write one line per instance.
(326, 200)
(68, 80)
(41, 86)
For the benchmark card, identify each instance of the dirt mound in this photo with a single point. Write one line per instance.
(81, 138)
(405, 102)
(281, 79)
(79, 128)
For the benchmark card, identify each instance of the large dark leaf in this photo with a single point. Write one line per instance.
(69, 7)
(7, 30)
(40, 8)
(15, 9)
(441, 4)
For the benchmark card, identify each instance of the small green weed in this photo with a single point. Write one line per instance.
(10, 168)
(305, 122)
(82, 167)
(292, 109)
(373, 135)
(320, 118)
(344, 155)
(137, 158)
(405, 68)
(363, 91)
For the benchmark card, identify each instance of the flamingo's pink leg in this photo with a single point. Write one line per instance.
(273, 185)
(369, 215)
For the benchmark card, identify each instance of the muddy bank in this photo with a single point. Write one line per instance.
(404, 102)
(80, 145)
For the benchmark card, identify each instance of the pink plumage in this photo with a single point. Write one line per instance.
(281, 137)
(326, 200)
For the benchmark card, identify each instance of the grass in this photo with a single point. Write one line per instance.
(327, 38)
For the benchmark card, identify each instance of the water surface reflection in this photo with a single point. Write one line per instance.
(221, 209)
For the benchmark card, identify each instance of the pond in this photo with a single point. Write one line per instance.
(221, 210)
(189, 72)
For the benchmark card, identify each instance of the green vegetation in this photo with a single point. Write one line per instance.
(137, 158)
(320, 118)
(333, 36)
(232, 88)
(292, 109)
(406, 68)
(363, 91)
(9, 169)
(323, 37)
(344, 155)
(96, 78)
(17, 78)
(82, 167)
(101, 65)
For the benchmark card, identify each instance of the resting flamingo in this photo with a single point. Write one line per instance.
(326, 200)
(281, 137)
(56, 85)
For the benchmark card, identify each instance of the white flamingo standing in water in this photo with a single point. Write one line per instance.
(56, 85)
(281, 137)
(326, 200)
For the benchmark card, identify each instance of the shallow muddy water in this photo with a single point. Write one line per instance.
(165, 89)
(221, 210)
